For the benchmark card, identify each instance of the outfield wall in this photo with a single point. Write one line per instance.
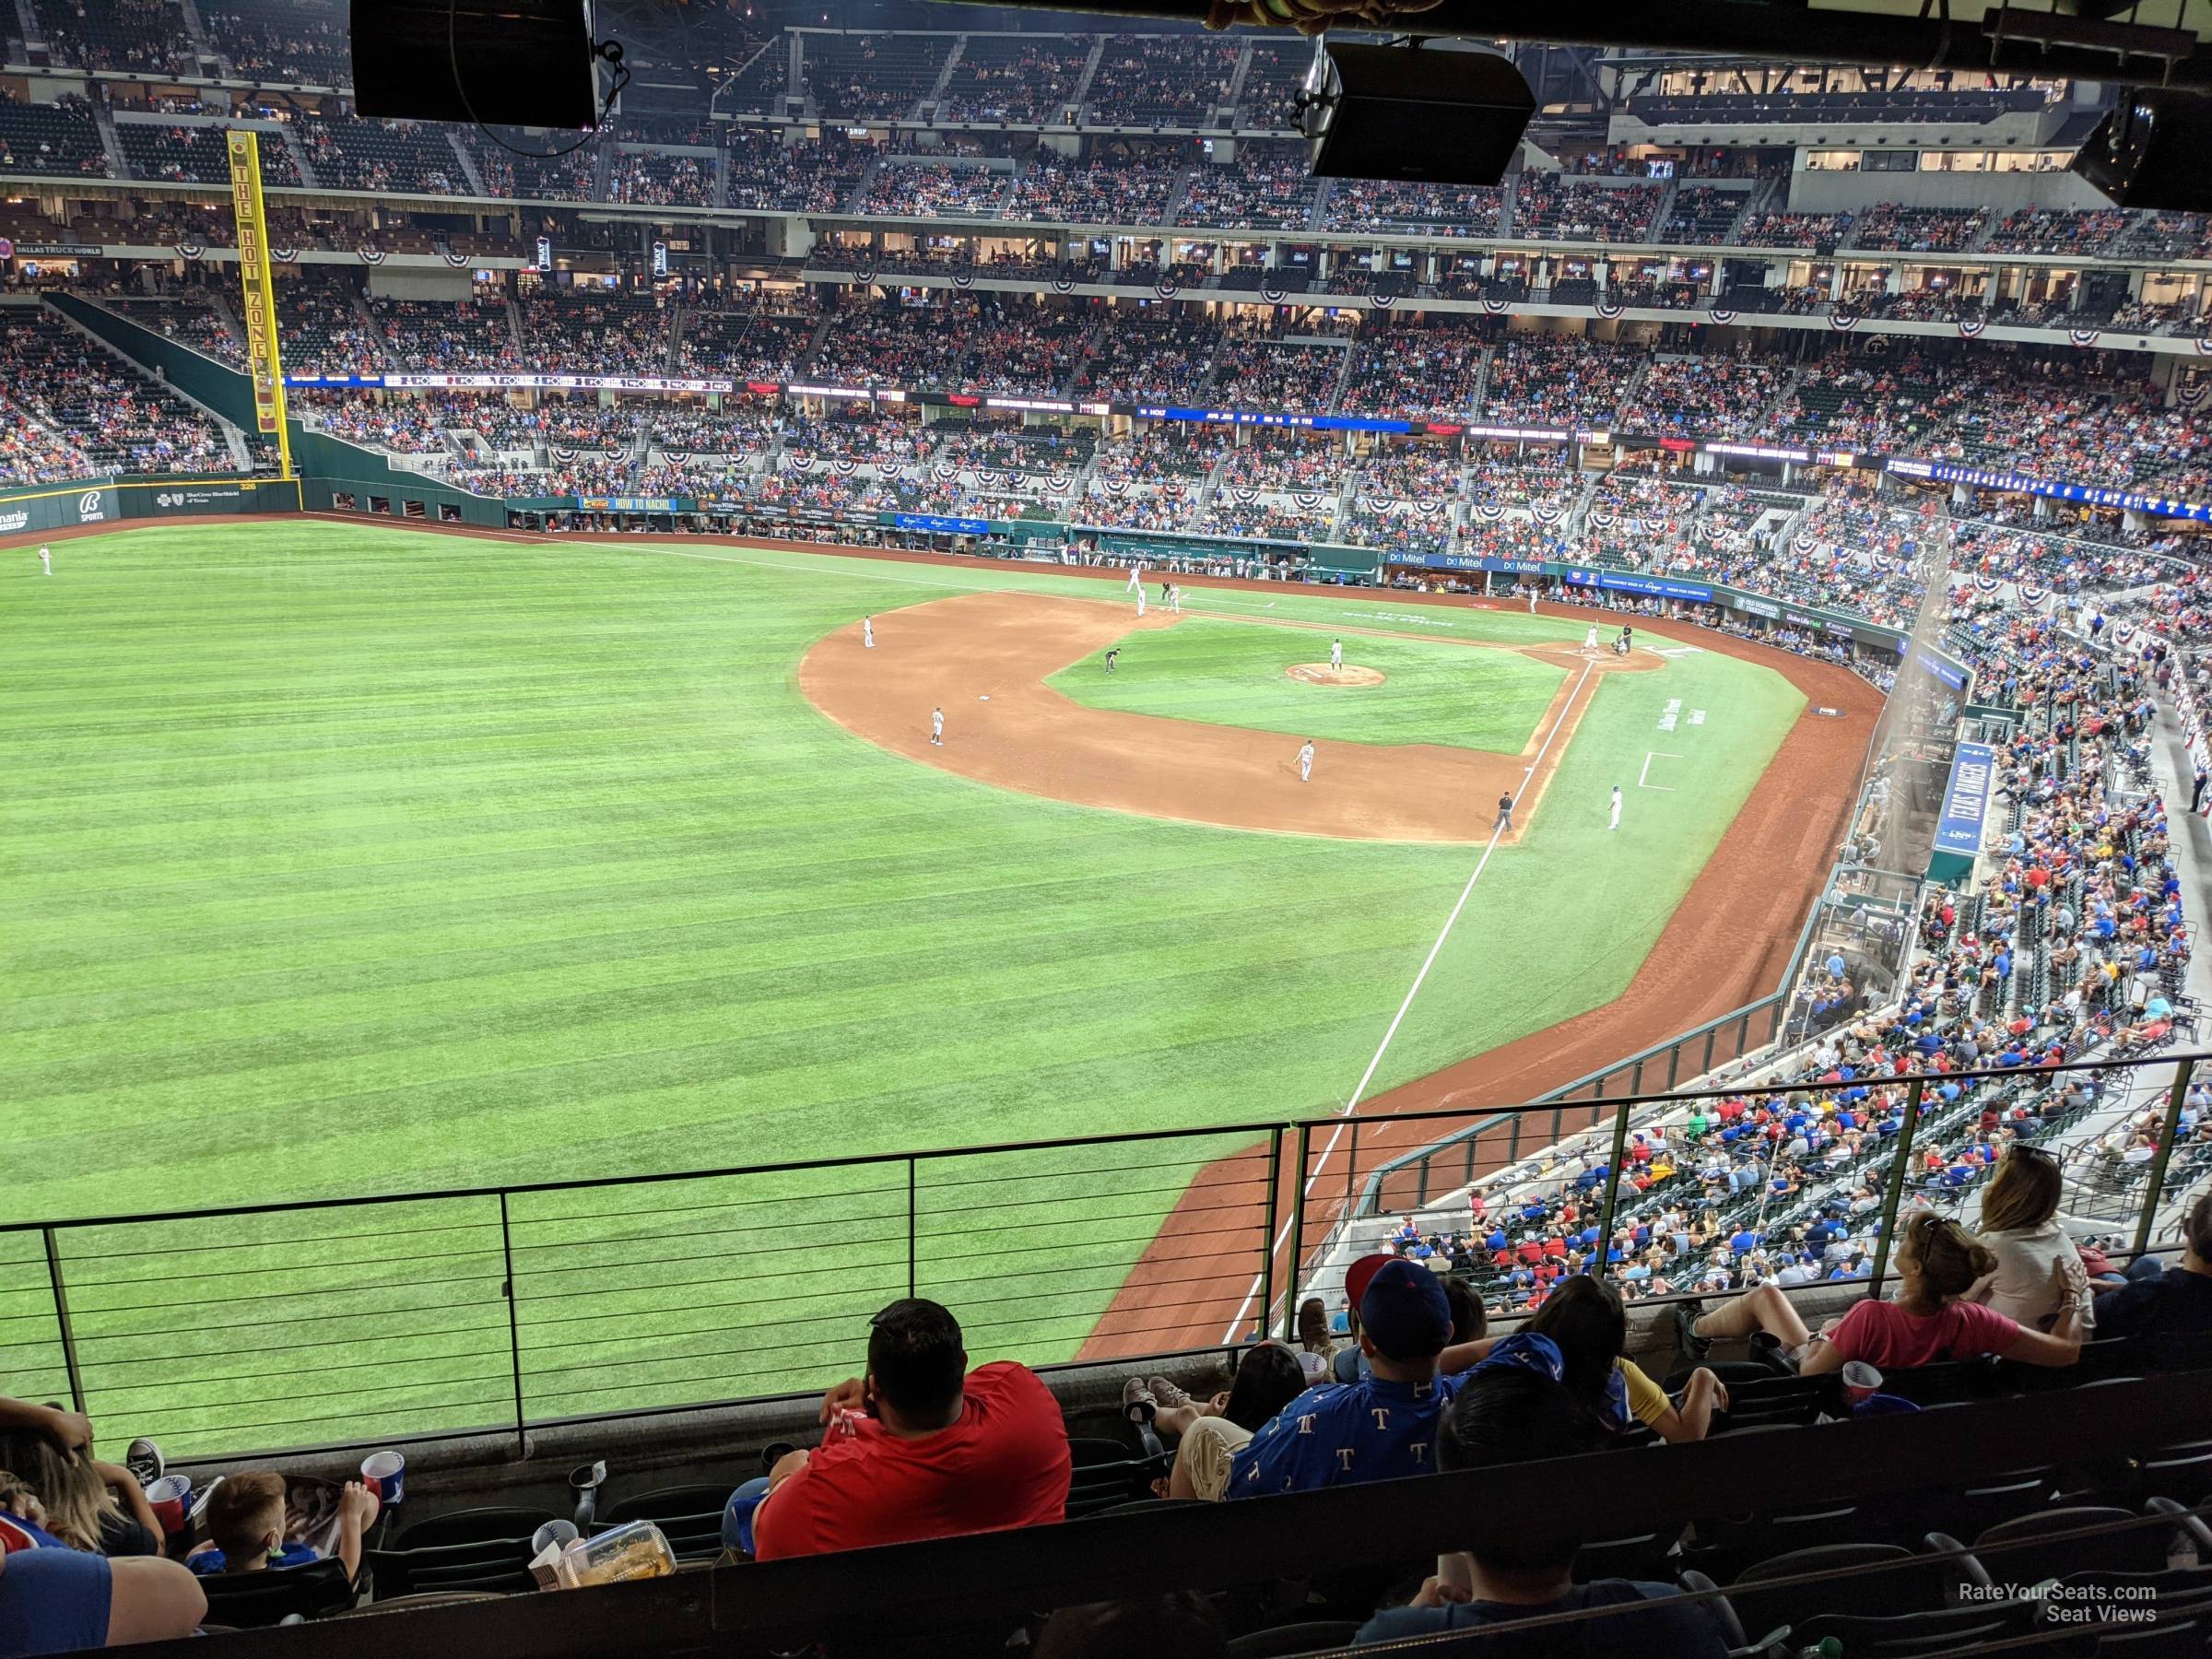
(93, 503)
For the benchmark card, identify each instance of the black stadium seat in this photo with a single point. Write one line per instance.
(1318, 1636)
(1896, 1636)
(688, 1516)
(1914, 1584)
(252, 1600)
(2027, 1550)
(471, 1526)
(483, 1549)
(1108, 1473)
(423, 1598)
(501, 1565)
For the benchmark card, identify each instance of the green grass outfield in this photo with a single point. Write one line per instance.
(342, 860)
(1234, 672)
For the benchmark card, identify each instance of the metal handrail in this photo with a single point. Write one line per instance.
(548, 1319)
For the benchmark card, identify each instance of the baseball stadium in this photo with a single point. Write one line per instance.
(982, 785)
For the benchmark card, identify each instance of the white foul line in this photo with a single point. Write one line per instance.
(1352, 1105)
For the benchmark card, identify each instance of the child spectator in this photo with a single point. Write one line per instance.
(245, 1523)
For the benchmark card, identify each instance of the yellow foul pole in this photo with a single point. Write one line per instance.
(263, 360)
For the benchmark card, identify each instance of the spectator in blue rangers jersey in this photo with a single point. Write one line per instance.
(1379, 1428)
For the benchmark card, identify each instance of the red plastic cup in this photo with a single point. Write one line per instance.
(172, 1500)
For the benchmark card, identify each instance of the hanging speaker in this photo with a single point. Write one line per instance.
(1419, 113)
(2149, 150)
(518, 63)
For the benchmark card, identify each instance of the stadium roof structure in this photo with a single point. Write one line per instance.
(2084, 43)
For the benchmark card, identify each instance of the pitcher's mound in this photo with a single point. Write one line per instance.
(1321, 673)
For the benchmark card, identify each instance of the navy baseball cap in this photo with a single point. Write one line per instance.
(1406, 1313)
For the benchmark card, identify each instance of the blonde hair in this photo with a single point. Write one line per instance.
(1948, 1257)
(69, 1487)
(242, 1510)
(2023, 1193)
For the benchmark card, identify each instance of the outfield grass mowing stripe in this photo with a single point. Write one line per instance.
(339, 859)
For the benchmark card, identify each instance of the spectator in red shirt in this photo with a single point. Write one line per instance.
(1937, 1263)
(919, 1448)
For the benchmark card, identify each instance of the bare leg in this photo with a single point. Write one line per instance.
(1174, 1421)
(1762, 1308)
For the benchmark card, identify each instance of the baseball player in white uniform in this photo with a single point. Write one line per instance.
(867, 633)
(1140, 601)
(45, 562)
(1616, 823)
(1137, 579)
(1305, 762)
(1532, 601)
(1175, 598)
(1336, 654)
(936, 727)
(1590, 640)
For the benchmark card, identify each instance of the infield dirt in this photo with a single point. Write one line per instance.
(984, 658)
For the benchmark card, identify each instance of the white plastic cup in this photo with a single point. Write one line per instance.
(1861, 1382)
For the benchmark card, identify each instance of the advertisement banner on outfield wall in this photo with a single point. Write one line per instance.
(168, 498)
(1754, 608)
(57, 506)
(1966, 800)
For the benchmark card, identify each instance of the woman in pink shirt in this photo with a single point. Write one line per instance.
(1937, 1263)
